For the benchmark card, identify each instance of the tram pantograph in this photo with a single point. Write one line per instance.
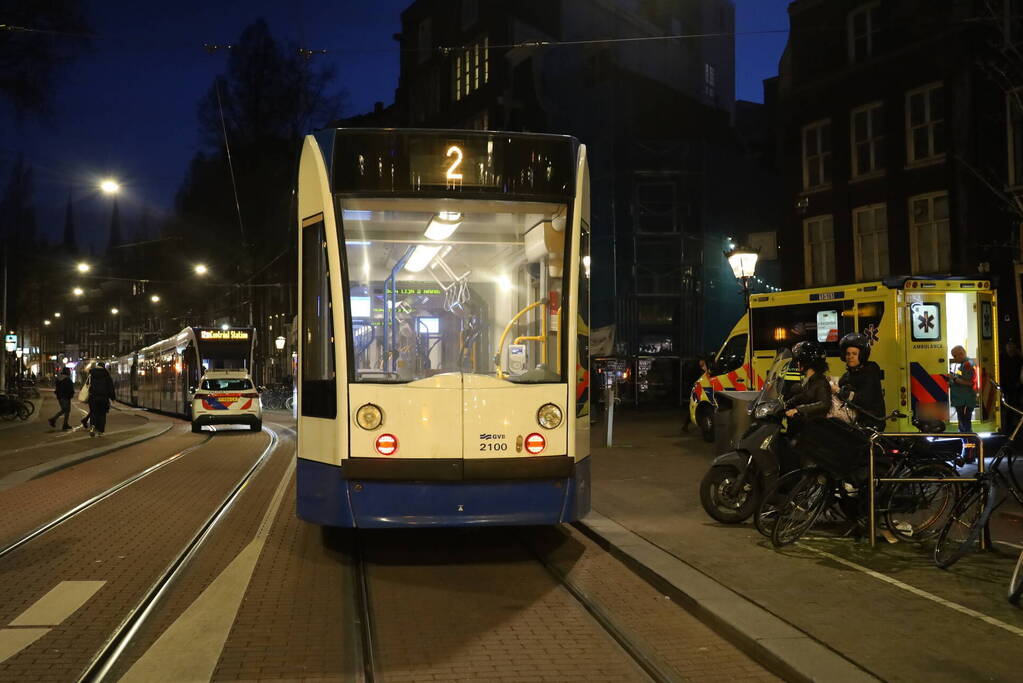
(444, 303)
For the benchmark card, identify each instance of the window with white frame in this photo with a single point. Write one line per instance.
(470, 69)
(930, 234)
(817, 155)
(863, 31)
(1014, 120)
(819, 250)
(709, 81)
(867, 139)
(925, 123)
(870, 242)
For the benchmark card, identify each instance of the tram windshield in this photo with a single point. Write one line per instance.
(441, 286)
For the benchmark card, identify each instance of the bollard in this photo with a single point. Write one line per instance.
(609, 413)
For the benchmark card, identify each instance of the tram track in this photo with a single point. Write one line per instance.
(106, 658)
(98, 498)
(519, 562)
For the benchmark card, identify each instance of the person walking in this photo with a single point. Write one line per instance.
(64, 389)
(101, 392)
(962, 396)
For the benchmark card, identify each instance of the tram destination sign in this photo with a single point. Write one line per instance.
(462, 162)
(224, 335)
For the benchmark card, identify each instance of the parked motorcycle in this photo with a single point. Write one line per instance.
(732, 489)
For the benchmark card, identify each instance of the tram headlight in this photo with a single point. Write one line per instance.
(369, 417)
(549, 416)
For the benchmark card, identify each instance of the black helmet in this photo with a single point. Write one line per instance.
(859, 341)
(809, 354)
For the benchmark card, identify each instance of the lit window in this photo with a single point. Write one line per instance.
(817, 155)
(925, 123)
(470, 69)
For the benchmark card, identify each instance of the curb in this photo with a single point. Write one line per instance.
(773, 642)
(30, 473)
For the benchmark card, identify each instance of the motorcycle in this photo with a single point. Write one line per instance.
(733, 488)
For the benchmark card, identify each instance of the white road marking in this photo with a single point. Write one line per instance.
(14, 640)
(203, 628)
(1015, 630)
(61, 602)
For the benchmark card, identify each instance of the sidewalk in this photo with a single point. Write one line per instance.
(815, 607)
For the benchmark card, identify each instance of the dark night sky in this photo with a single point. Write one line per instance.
(127, 108)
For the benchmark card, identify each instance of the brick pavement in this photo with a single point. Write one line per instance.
(691, 649)
(126, 542)
(35, 502)
(651, 488)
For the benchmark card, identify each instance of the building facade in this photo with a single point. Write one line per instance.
(656, 116)
(898, 124)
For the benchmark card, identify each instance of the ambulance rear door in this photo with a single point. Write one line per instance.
(926, 353)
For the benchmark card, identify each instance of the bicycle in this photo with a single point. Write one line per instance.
(970, 515)
(1016, 582)
(911, 510)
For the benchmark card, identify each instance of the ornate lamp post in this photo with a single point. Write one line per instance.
(743, 261)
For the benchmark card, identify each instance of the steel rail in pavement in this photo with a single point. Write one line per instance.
(104, 660)
(99, 497)
(641, 654)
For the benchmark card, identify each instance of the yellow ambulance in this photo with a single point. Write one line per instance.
(913, 324)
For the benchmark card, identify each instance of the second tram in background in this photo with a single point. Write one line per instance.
(164, 376)
(443, 370)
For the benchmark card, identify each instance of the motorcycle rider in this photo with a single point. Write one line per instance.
(861, 383)
(813, 398)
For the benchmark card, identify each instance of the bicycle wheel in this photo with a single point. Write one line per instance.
(915, 511)
(962, 529)
(31, 406)
(289, 403)
(22, 412)
(801, 507)
(1016, 583)
(764, 517)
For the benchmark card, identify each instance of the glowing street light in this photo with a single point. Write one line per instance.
(46, 322)
(57, 314)
(155, 298)
(201, 269)
(78, 291)
(83, 267)
(280, 342)
(110, 186)
(114, 311)
(225, 326)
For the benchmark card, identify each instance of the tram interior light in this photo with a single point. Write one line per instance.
(421, 257)
(443, 225)
(505, 283)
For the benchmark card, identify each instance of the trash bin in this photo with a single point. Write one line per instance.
(731, 417)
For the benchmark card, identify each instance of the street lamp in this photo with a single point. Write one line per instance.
(201, 269)
(83, 267)
(225, 326)
(46, 322)
(109, 186)
(280, 342)
(114, 311)
(743, 261)
(155, 298)
(57, 314)
(78, 291)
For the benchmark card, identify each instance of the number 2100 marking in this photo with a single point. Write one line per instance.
(453, 173)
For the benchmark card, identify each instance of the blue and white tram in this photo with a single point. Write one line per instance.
(444, 307)
(163, 376)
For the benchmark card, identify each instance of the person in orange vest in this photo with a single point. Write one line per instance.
(962, 395)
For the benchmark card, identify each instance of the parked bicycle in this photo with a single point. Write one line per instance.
(830, 486)
(277, 397)
(970, 515)
(13, 407)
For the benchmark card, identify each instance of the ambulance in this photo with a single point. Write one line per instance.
(912, 324)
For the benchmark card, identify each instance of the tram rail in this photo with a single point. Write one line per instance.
(107, 656)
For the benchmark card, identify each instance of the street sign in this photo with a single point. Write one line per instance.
(10, 342)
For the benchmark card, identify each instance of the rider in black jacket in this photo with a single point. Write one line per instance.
(861, 383)
(814, 398)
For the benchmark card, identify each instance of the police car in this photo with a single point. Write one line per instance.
(226, 397)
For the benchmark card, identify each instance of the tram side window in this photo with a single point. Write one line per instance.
(318, 375)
